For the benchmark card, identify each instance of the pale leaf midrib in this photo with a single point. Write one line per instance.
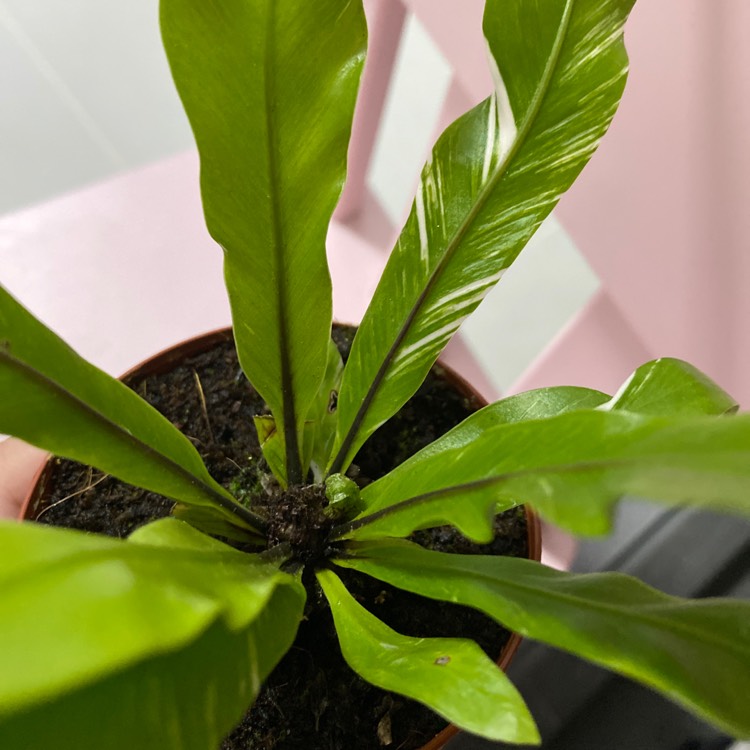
(484, 195)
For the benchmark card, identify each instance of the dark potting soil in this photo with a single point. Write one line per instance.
(312, 700)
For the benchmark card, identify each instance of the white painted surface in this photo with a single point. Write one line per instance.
(85, 92)
(540, 293)
(416, 96)
(44, 150)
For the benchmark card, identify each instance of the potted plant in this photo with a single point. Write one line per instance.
(163, 639)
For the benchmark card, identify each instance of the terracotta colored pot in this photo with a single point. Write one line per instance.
(167, 359)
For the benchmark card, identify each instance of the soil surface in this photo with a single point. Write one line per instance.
(312, 700)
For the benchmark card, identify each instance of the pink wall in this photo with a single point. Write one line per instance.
(663, 211)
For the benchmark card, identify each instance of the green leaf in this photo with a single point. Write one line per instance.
(536, 404)
(324, 413)
(493, 177)
(452, 676)
(572, 468)
(695, 652)
(343, 498)
(200, 694)
(663, 387)
(670, 386)
(269, 87)
(272, 446)
(61, 403)
(173, 533)
(319, 429)
(101, 638)
(523, 407)
(211, 521)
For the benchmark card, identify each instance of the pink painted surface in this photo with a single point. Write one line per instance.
(661, 212)
(456, 28)
(457, 31)
(598, 349)
(457, 355)
(123, 269)
(120, 269)
(385, 22)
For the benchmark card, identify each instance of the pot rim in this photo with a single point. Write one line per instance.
(166, 358)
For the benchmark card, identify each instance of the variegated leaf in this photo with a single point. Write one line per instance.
(670, 386)
(494, 175)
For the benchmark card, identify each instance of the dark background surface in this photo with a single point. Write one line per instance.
(582, 707)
